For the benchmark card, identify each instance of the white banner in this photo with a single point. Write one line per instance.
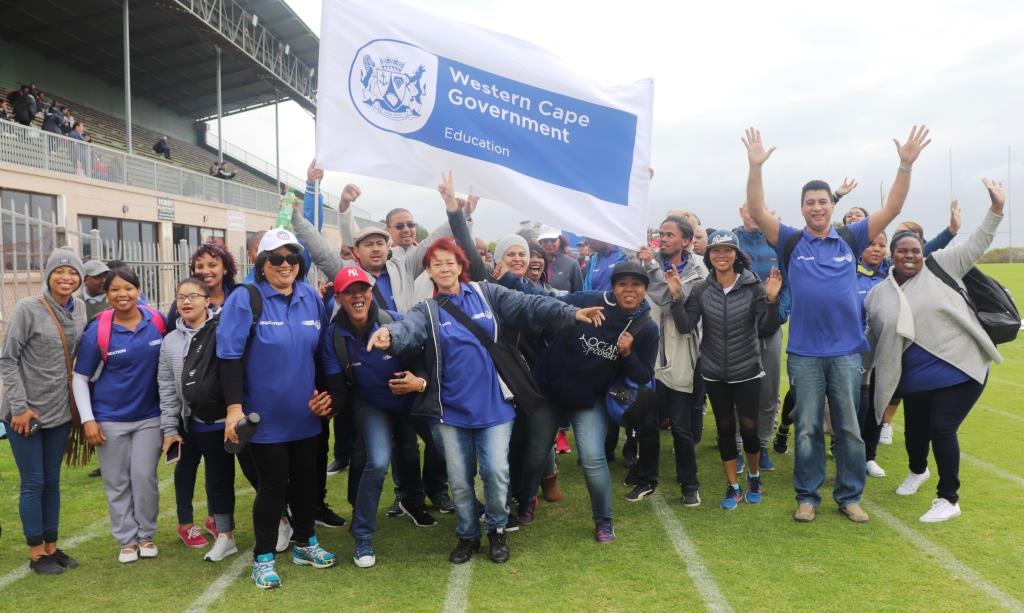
(404, 95)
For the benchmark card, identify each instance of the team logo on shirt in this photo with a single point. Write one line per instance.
(155, 341)
(843, 258)
(486, 314)
(312, 322)
(602, 349)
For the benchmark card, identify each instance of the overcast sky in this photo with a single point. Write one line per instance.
(830, 87)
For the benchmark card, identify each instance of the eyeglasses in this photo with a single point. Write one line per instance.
(405, 224)
(276, 259)
(183, 298)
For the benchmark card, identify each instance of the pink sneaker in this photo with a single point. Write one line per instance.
(192, 537)
(211, 527)
(561, 443)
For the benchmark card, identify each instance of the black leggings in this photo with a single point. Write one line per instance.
(788, 404)
(933, 417)
(220, 476)
(727, 401)
(287, 475)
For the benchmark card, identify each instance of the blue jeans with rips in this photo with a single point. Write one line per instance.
(813, 379)
(466, 449)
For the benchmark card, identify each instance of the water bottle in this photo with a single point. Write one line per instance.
(284, 213)
(245, 430)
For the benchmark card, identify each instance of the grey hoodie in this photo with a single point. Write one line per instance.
(32, 360)
(168, 376)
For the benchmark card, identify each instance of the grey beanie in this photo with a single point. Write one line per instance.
(507, 241)
(62, 257)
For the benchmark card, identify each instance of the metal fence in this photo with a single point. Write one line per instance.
(37, 149)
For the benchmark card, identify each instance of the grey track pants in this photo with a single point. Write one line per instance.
(128, 460)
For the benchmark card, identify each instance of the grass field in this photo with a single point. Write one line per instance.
(666, 557)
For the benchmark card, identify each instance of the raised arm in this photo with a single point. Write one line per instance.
(959, 259)
(756, 157)
(908, 153)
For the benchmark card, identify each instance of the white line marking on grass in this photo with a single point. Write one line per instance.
(956, 568)
(1000, 412)
(457, 598)
(218, 587)
(992, 468)
(93, 531)
(1005, 382)
(713, 598)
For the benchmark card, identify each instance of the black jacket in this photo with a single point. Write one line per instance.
(729, 349)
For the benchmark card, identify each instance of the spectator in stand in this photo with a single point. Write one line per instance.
(53, 121)
(562, 271)
(77, 132)
(162, 148)
(221, 171)
(826, 337)
(69, 120)
(39, 345)
(25, 107)
(6, 112)
(929, 345)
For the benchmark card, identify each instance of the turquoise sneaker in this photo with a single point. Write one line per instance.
(313, 555)
(753, 495)
(263, 572)
(733, 495)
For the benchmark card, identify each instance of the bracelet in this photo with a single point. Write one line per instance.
(906, 169)
(424, 388)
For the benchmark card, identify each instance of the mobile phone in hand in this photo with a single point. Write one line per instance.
(33, 426)
(399, 375)
(173, 453)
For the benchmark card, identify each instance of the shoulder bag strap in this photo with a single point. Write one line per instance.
(75, 417)
(466, 322)
(945, 277)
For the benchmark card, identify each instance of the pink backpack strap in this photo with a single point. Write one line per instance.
(158, 319)
(104, 323)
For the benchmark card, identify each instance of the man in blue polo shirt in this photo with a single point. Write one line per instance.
(825, 333)
(598, 275)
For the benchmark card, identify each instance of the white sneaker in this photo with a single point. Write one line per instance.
(284, 536)
(941, 510)
(223, 547)
(912, 483)
(148, 550)
(875, 470)
(885, 436)
(128, 554)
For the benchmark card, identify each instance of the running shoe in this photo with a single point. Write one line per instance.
(733, 496)
(264, 573)
(284, 535)
(885, 435)
(691, 498)
(603, 531)
(941, 510)
(562, 443)
(913, 482)
(327, 518)
(419, 516)
(223, 547)
(641, 491)
(753, 495)
(781, 442)
(312, 555)
(192, 537)
(765, 460)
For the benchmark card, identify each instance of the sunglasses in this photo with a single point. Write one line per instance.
(405, 224)
(276, 259)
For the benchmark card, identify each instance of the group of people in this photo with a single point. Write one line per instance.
(485, 356)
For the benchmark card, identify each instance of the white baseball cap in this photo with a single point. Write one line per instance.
(547, 232)
(278, 237)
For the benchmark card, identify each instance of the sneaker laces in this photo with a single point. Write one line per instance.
(193, 532)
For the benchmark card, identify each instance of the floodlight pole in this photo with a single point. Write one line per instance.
(127, 83)
(277, 148)
(220, 111)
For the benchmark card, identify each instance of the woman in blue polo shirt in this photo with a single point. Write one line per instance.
(473, 415)
(377, 389)
(121, 413)
(276, 379)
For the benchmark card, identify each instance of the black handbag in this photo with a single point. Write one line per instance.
(508, 361)
(988, 299)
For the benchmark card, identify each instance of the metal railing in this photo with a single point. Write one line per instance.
(35, 148)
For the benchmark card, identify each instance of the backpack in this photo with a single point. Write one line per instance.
(200, 375)
(623, 392)
(105, 323)
(988, 299)
(791, 242)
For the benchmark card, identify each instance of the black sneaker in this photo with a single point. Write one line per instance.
(328, 519)
(781, 442)
(641, 491)
(395, 510)
(95, 473)
(443, 502)
(632, 477)
(419, 516)
(464, 550)
(691, 498)
(45, 565)
(499, 546)
(64, 559)
(336, 467)
(512, 525)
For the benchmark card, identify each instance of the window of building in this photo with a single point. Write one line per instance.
(120, 239)
(29, 228)
(196, 235)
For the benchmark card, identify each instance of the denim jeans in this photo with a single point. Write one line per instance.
(466, 449)
(38, 458)
(590, 426)
(813, 379)
(380, 432)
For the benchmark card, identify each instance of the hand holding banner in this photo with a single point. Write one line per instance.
(405, 94)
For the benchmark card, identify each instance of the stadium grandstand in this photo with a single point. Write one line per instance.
(135, 73)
